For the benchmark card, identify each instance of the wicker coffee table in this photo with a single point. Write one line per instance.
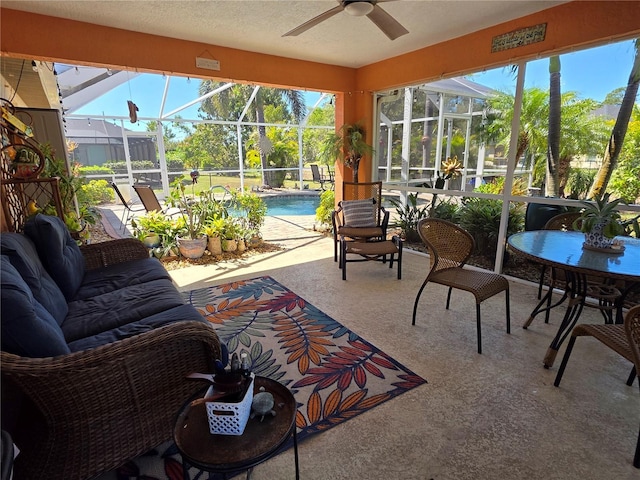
(224, 454)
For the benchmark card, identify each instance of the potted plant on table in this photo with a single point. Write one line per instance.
(192, 241)
(600, 222)
(347, 145)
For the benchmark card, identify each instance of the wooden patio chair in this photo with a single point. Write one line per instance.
(360, 215)
(449, 248)
(128, 211)
(622, 339)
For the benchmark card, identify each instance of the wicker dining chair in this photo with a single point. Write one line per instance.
(564, 222)
(622, 339)
(449, 248)
(354, 195)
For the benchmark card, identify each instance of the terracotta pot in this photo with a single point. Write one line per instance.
(191, 248)
(214, 245)
(152, 240)
(229, 245)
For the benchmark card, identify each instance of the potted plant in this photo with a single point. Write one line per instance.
(230, 235)
(347, 145)
(214, 229)
(253, 211)
(600, 222)
(192, 241)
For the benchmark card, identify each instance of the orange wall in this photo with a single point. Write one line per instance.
(571, 25)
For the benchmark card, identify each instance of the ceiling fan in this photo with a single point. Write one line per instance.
(357, 8)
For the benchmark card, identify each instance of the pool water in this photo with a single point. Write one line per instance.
(292, 205)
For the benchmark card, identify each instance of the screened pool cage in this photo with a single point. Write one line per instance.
(419, 128)
(137, 153)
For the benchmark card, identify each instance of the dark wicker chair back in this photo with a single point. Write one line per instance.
(563, 221)
(449, 248)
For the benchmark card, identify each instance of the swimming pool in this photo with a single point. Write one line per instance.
(282, 205)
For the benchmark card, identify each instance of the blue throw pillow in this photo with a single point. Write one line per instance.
(59, 252)
(28, 329)
(23, 256)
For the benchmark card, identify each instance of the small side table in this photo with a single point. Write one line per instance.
(224, 454)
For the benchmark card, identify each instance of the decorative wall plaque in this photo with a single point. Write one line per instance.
(519, 38)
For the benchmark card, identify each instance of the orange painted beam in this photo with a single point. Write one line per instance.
(79, 43)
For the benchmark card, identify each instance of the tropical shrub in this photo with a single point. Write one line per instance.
(481, 218)
(446, 209)
(95, 192)
(94, 170)
(409, 215)
(326, 207)
(579, 182)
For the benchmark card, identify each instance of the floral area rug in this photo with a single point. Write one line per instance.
(333, 373)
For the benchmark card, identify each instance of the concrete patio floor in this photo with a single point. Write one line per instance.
(489, 416)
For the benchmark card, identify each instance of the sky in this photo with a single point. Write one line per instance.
(592, 73)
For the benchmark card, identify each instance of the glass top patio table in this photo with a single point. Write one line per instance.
(564, 250)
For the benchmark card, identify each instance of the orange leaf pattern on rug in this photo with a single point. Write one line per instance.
(333, 373)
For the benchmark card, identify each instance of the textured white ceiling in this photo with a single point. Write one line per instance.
(258, 26)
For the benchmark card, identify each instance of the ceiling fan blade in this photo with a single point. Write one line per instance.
(314, 21)
(385, 22)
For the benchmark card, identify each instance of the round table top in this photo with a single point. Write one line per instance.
(228, 453)
(565, 250)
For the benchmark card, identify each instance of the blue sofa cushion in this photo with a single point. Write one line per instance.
(176, 314)
(114, 309)
(23, 256)
(28, 329)
(120, 275)
(59, 252)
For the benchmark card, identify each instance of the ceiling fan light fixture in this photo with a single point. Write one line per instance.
(358, 9)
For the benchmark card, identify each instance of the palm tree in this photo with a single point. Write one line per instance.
(229, 104)
(553, 143)
(580, 132)
(614, 146)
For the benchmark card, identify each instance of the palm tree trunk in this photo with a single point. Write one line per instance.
(614, 146)
(553, 136)
(262, 136)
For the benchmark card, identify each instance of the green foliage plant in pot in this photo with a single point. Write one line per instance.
(231, 234)
(600, 222)
(215, 229)
(348, 145)
(253, 211)
(192, 241)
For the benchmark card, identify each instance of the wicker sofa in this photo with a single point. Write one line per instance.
(98, 380)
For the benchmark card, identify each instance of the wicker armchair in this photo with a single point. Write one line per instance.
(89, 412)
(449, 248)
(622, 339)
(360, 191)
(78, 415)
